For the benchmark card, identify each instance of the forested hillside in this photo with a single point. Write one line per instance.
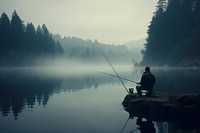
(23, 44)
(91, 51)
(174, 34)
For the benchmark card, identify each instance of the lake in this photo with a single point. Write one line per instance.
(81, 99)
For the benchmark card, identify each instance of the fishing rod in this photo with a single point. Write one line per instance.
(117, 77)
(114, 70)
(124, 125)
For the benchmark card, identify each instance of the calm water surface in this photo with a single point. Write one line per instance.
(53, 100)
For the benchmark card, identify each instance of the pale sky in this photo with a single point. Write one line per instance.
(108, 21)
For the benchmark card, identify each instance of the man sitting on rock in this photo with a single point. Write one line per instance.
(147, 82)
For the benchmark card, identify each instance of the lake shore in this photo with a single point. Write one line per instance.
(181, 108)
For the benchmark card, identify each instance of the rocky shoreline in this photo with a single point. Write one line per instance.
(181, 108)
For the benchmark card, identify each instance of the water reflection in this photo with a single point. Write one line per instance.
(146, 124)
(26, 88)
(20, 88)
(143, 125)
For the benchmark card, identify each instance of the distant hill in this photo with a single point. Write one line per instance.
(90, 51)
(136, 46)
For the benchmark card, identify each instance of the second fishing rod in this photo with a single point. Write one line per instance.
(120, 77)
(117, 75)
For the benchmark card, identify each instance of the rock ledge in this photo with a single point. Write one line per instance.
(164, 107)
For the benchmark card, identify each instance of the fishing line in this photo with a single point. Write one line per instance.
(114, 70)
(117, 77)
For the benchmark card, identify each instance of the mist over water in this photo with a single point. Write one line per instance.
(62, 66)
(77, 97)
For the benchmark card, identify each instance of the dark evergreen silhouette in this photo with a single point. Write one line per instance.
(17, 32)
(4, 34)
(22, 44)
(173, 34)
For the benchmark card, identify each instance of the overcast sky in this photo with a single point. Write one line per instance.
(108, 21)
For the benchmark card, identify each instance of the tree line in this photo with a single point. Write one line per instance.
(22, 44)
(174, 34)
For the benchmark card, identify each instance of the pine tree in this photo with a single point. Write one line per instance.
(17, 30)
(4, 34)
(30, 39)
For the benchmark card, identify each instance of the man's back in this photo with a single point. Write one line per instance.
(148, 80)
